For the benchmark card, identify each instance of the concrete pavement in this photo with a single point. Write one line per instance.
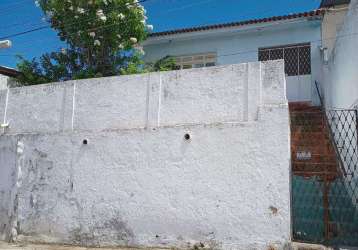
(19, 246)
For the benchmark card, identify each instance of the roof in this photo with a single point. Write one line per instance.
(330, 3)
(9, 72)
(313, 13)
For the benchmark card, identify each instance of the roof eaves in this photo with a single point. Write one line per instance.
(313, 13)
(331, 3)
(9, 72)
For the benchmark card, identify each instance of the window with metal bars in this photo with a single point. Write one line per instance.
(297, 58)
(196, 61)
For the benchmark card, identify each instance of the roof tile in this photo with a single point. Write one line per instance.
(313, 13)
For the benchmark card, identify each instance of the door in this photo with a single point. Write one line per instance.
(297, 69)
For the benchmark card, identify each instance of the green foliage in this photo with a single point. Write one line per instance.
(165, 64)
(102, 37)
(137, 66)
(134, 66)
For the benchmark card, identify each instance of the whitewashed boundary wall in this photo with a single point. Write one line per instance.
(3, 81)
(8, 188)
(105, 161)
(219, 94)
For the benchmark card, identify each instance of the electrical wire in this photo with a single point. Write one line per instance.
(223, 55)
(6, 12)
(44, 27)
(25, 23)
(256, 50)
(104, 26)
(162, 12)
(139, 2)
(49, 26)
(24, 32)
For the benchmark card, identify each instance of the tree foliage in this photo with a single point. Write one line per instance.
(165, 64)
(102, 38)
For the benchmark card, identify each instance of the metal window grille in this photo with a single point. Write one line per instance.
(297, 58)
(196, 61)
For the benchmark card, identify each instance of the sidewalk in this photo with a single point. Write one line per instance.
(15, 246)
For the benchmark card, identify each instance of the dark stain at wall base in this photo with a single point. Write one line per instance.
(110, 232)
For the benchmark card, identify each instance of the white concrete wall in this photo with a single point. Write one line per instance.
(3, 81)
(341, 75)
(6, 82)
(8, 176)
(241, 46)
(219, 94)
(7, 171)
(138, 182)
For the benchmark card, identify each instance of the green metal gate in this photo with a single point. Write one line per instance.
(325, 176)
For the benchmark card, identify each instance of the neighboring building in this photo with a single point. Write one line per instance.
(341, 75)
(296, 38)
(335, 11)
(6, 76)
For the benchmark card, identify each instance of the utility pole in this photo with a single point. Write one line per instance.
(5, 44)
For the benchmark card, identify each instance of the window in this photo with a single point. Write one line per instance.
(196, 61)
(297, 58)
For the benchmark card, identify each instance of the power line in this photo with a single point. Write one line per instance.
(49, 26)
(24, 32)
(6, 12)
(91, 29)
(27, 22)
(188, 6)
(104, 26)
(313, 41)
(256, 50)
(44, 27)
(160, 13)
(71, 24)
(90, 19)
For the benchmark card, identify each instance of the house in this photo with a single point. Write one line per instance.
(209, 158)
(6, 76)
(300, 39)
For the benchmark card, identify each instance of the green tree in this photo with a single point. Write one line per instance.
(102, 38)
(137, 66)
(164, 64)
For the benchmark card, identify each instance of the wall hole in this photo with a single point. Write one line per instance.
(274, 210)
(187, 137)
(85, 142)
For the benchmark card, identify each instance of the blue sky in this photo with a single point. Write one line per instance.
(22, 15)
